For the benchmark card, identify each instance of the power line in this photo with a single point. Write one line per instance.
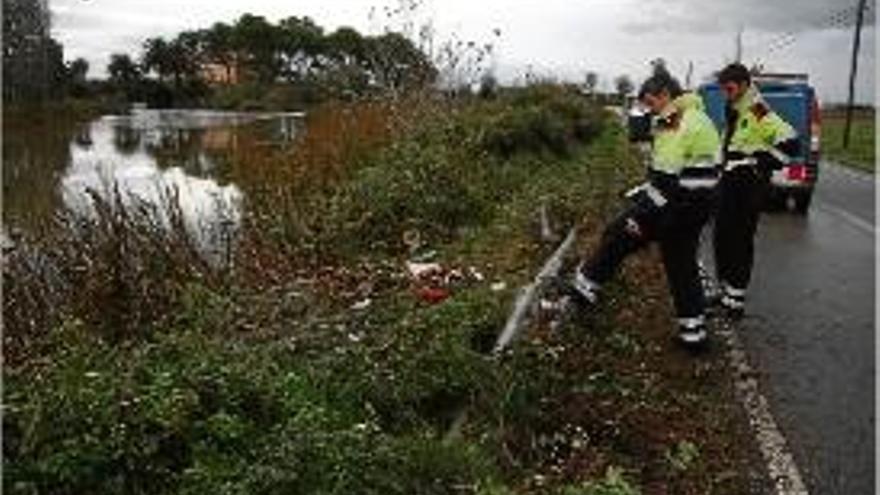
(836, 19)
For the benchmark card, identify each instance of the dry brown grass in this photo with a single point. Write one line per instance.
(120, 270)
(336, 136)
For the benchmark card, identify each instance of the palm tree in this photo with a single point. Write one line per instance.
(124, 74)
(156, 57)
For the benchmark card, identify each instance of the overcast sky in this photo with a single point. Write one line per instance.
(552, 37)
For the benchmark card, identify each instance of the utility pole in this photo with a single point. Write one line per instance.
(739, 43)
(690, 73)
(852, 72)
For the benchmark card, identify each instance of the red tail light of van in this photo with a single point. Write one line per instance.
(796, 172)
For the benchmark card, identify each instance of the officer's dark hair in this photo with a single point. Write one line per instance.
(658, 82)
(735, 73)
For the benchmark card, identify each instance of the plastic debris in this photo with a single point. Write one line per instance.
(498, 286)
(432, 295)
(453, 276)
(412, 239)
(363, 304)
(433, 282)
(419, 270)
(425, 256)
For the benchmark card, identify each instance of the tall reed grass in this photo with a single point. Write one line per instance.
(354, 184)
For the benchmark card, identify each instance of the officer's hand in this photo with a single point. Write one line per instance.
(632, 228)
(767, 161)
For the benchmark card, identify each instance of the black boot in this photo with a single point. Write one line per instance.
(726, 302)
(577, 299)
(692, 333)
(733, 302)
(583, 293)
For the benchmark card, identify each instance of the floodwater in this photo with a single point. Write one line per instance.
(149, 158)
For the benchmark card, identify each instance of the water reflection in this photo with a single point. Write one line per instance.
(149, 157)
(83, 138)
(126, 140)
(35, 157)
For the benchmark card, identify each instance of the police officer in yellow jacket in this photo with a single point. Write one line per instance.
(756, 142)
(670, 208)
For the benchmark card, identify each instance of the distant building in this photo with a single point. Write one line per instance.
(216, 73)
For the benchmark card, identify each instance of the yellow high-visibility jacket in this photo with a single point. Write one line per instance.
(755, 131)
(685, 154)
(685, 137)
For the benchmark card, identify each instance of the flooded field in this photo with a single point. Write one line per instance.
(151, 159)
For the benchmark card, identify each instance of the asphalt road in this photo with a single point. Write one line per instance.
(809, 331)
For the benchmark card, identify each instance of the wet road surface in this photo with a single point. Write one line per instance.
(809, 331)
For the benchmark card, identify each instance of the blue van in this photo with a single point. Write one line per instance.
(790, 96)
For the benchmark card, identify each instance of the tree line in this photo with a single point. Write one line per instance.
(189, 67)
(33, 62)
(250, 53)
(253, 50)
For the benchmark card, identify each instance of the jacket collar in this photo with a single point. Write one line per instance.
(681, 103)
(749, 98)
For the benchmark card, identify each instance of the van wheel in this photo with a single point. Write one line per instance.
(802, 202)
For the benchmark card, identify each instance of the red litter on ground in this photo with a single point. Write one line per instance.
(432, 295)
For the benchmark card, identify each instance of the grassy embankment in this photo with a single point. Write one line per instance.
(863, 138)
(65, 110)
(253, 96)
(132, 367)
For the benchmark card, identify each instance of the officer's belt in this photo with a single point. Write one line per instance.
(699, 177)
(698, 183)
(752, 161)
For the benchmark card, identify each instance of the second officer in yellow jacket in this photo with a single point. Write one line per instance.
(756, 142)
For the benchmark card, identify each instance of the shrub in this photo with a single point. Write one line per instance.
(121, 269)
(429, 364)
(538, 119)
(239, 96)
(410, 186)
(613, 484)
(191, 413)
(148, 392)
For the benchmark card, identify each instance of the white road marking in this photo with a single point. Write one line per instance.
(844, 170)
(781, 467)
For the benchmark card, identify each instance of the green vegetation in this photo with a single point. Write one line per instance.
(251, 63)
(188, 412)
(683, 455)
(255, 64)
(862, 143)
(613, 484)
(309, 362)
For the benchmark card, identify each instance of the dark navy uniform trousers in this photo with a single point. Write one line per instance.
(676, 227)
